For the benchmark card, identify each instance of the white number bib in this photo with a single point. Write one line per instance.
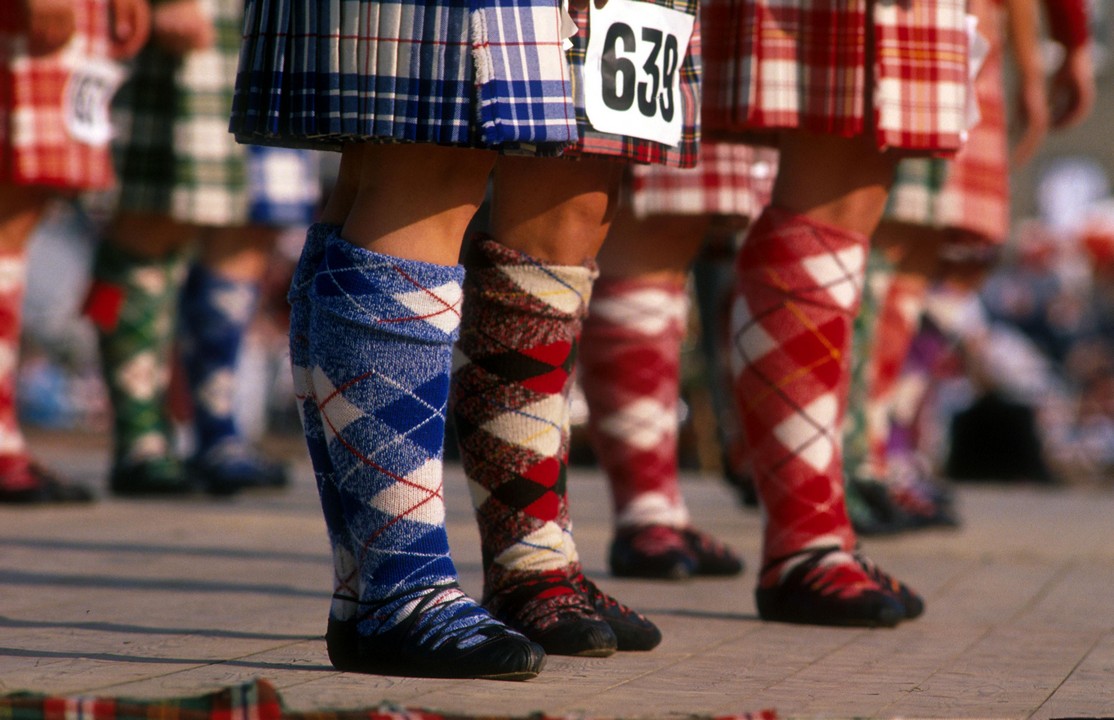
(632, 69)
(87, 98)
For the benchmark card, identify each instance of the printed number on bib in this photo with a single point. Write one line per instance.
(632, 70)
(87, 98)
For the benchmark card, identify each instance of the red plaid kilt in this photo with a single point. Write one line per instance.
(36, 147)
(974, 197)
(731, 179)
(637, 150)
(784, 64)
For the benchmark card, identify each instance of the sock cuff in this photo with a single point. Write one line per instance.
(525, 284)
(797, 257)
(312, 250)
(639, 307)
(13, 272)
(402, 297)
(779, 217)
(117, 272)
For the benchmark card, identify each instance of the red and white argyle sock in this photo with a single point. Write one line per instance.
(13, 450)
(903, 301)
(630, 374)
(799, 285)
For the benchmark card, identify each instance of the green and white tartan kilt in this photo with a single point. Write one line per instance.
(174, 154)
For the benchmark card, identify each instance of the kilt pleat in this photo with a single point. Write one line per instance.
(970, 192)
(731, 179)
(450, 72)
(894, 69)
(638, 150)
(472, 73)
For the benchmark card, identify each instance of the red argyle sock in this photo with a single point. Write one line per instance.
(903, 301)
(630, 374)
(13, 450)
(799, 287)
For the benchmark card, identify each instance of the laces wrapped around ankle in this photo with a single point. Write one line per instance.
(442, 615)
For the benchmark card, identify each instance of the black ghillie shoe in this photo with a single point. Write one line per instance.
(824, 590)
(32, 484)
(908, 499)
(550, 610)
(234, 466)
(342, 644)
(655, 552)
(914, 605)
(155, 477)
(492, 651)
(633, 630)
(712, 556)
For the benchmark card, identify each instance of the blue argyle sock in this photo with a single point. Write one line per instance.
(378, 356)
(346, 588)
(215, 313)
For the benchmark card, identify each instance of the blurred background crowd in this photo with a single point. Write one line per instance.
(1031, 355)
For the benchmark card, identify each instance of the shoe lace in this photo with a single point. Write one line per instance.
(542, 599)
(441, 615)
(654, 540)
(601, 601)
(835, 577)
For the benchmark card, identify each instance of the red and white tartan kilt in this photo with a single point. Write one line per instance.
(783, 64)
(36, 147)
(730, 179)
(975, 195)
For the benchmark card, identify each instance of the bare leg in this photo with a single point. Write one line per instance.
(557, 211)
(409, 201)
(832, 180)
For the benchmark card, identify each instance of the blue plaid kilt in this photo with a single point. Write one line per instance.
(452, 72)
(471, 73)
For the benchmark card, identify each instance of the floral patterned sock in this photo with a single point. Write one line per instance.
(133, 304)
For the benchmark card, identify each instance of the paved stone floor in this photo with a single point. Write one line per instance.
(161, 598)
